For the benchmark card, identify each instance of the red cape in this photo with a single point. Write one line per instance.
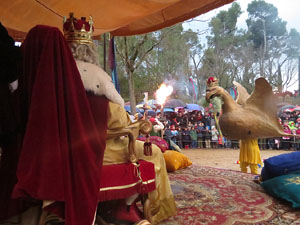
(62, 149)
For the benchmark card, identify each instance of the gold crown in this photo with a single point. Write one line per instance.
(78, 30)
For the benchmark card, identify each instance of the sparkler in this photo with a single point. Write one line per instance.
(146, 104)
(162, 93)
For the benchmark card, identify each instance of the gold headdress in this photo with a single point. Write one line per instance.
(212, 82)
(78, 30)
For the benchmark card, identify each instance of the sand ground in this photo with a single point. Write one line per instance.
(223, 158)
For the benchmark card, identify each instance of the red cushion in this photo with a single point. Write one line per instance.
(119, 181)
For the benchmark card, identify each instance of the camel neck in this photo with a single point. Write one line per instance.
(229, 104)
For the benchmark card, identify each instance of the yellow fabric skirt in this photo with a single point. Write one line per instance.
(116, 152)
(249, 151)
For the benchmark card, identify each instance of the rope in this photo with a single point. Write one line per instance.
(46, 7)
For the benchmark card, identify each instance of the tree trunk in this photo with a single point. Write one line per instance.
(262, 67)
(104, 52)
(279, 80)
(299, 76)
(131, 92)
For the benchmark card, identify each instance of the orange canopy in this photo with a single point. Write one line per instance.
(120, 17)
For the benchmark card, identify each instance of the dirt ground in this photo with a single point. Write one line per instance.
(223, 158)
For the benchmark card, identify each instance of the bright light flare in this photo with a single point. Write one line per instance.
(163, 93)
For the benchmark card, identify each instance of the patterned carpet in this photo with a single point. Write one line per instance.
(211, 196)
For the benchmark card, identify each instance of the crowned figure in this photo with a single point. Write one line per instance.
(97, 81)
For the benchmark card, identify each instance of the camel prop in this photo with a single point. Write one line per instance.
(250, 117)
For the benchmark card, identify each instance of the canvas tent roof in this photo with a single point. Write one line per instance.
(120, 17)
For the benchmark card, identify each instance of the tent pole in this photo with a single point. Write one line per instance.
(104, 52)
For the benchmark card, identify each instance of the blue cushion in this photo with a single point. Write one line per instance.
(286, 187)
(280, 165)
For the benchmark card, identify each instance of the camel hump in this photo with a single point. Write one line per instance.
(242, 93)
(264, 100)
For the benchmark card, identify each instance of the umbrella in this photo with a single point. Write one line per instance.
(289, 110)
(281, 104)
(194, 107)
(173, 103)
(152, 103)
(283, 108)
(142, 106)
(151, 113)
(128, 109)
(286, 108)
(167, 110)
(297, 108)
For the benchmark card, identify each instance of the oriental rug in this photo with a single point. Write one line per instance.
(212, 196)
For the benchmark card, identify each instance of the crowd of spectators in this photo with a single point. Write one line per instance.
(290, 120)
(192, 129)
(197, 129)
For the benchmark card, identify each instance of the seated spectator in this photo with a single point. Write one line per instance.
(298, 129)
(207, 136)
(180, 119)
(174, 133)
(186, 139)
(286, 139)
(270, 143)
(199, 116)
(179, 136)
(221, 141)
(184, 121)
(206, 119)
(294, 140)
(192, 118)
(157, 127)
(291, 125)
(173, 119)
(194, 137)
(200, 130)
(167, 132)
(277, 143)
(214, 137)
(235, 144)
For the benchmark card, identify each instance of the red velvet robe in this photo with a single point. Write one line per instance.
(63, 145)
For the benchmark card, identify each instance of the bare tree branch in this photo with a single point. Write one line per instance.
(143, 56)
(196, 20)
(138, 46)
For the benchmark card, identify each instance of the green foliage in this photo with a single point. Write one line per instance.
(263, 19)
(172, 53)
(219, 58)
(224, 27)
(293, 43)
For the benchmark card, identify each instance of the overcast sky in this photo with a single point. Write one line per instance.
(288, 10)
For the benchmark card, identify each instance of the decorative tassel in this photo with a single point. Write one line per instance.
(147, 146)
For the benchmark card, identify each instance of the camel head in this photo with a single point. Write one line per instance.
(213, 91)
